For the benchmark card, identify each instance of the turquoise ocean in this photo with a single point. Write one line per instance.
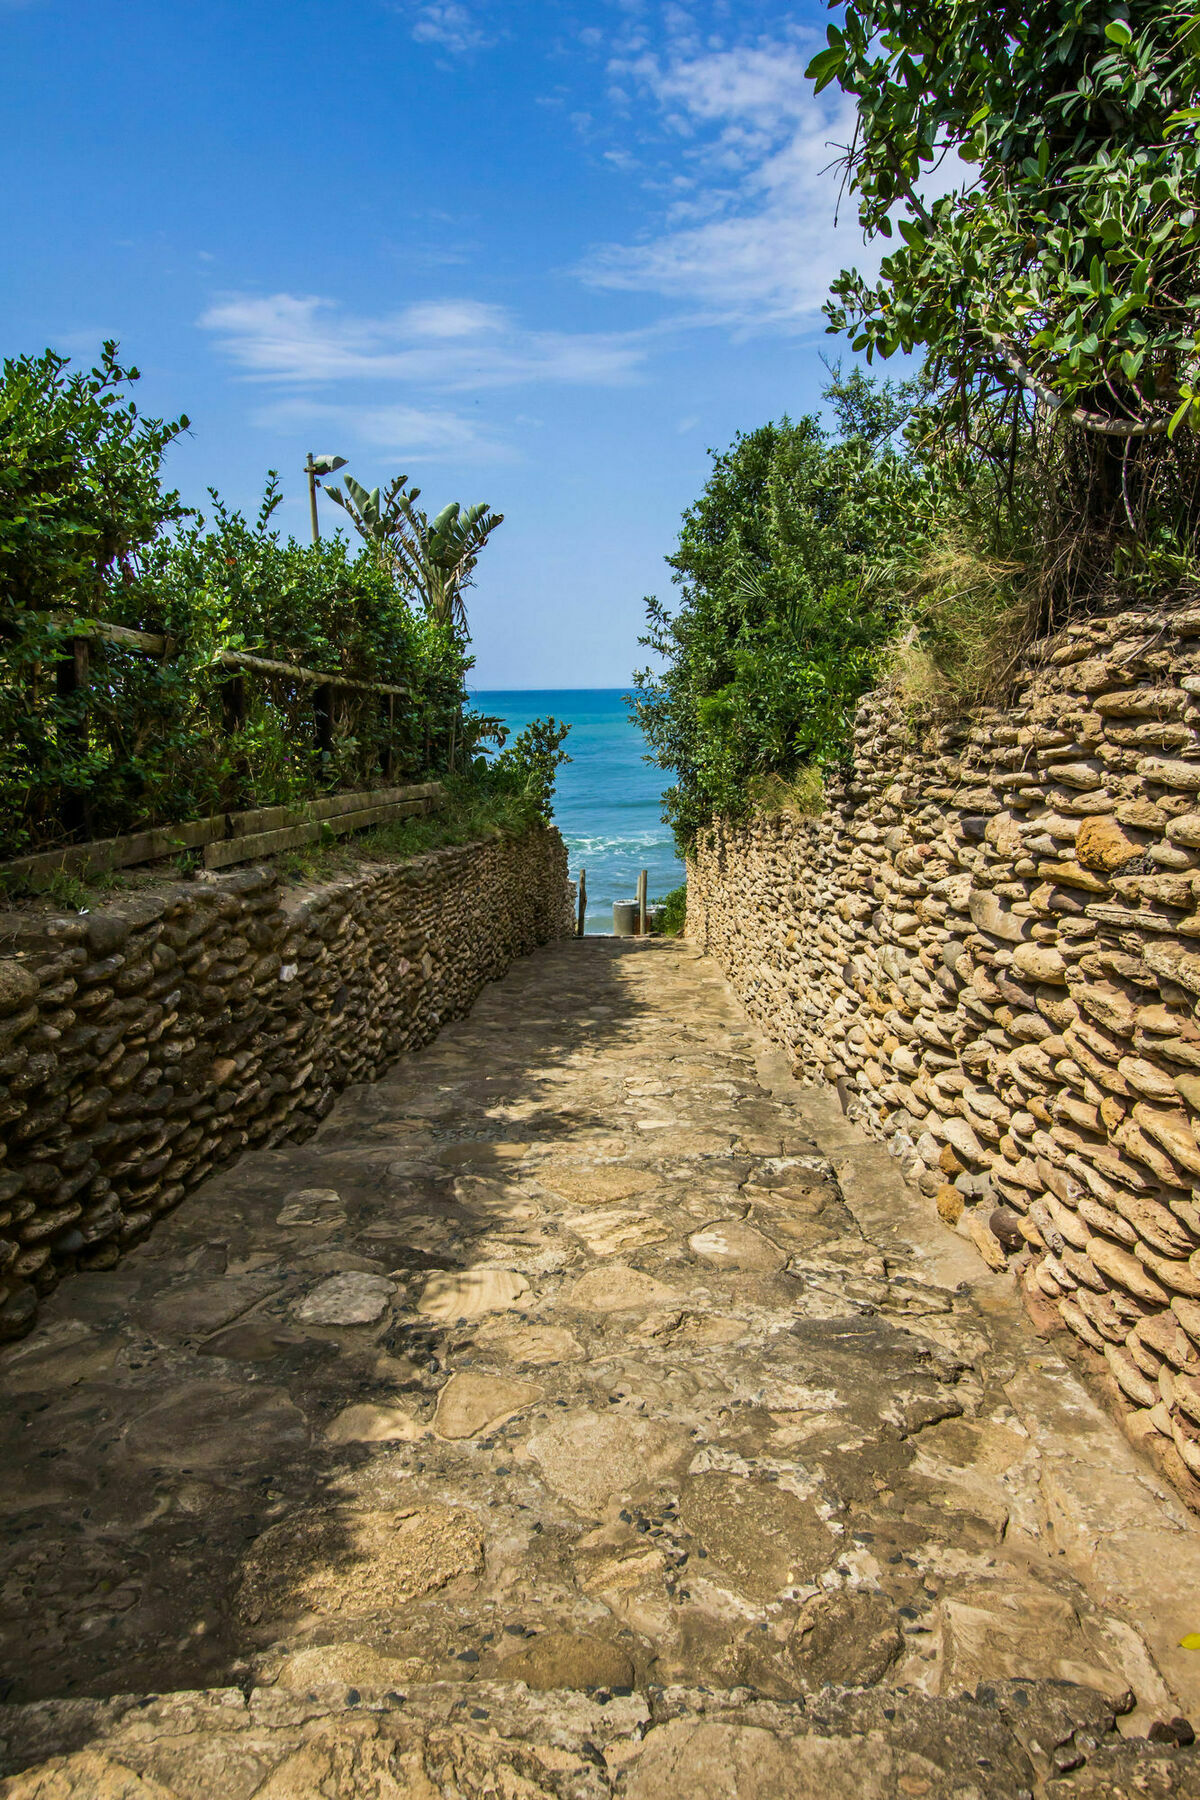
(609, 800)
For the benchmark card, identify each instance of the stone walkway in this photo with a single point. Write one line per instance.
(585, 1411)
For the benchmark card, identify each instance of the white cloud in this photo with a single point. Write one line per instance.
(453, 345)
(450, 26)
(451, 319)
(753, 237)
(764, 87)
(404, 432)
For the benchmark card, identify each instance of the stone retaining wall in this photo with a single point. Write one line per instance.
(991, 942)
(143, 1045)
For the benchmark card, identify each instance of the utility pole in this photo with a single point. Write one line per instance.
(314, 466)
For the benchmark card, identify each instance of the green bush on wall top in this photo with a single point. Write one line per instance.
(776, 637)
(87, 531)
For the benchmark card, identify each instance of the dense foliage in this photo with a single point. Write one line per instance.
(1037, 165)
(774, 639)
(432, 558)
(673, 920)
(1070, 259)
(527, 768)
(97, 738)
(80, 487)
(1054, 289)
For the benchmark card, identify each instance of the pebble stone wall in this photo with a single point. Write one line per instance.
(990, 941)
(143, 1045)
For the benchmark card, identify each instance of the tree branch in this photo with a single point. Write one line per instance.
(1075, 415)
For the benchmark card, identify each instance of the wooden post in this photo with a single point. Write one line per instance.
(388, 759)
(310, 469)
(582, 902)
(323, 717)
(233, 720)
(641, 900)
(233, 703)
(71, 679)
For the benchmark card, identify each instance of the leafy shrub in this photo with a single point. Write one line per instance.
(80, 486)
(85, 533)
(1053, 288)
(673, 918)
(776, 636)
(526, 769)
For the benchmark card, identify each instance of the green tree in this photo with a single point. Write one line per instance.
(1066, 266)
(1053, 289)
(80, 481)
(773, 641)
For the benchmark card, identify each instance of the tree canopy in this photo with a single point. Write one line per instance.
(774, 639)
(1063, 262)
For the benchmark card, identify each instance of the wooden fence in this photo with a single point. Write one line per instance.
(361, 731)
(228, 838)
(74, 667)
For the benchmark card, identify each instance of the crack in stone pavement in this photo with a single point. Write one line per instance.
(584, 1411)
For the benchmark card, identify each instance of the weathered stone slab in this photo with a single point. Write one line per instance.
(470, 1293)
(732, 1244)
(619, 1289)
(349, 1561)
(597, 1462)
(351, 1299)
(470, 1404)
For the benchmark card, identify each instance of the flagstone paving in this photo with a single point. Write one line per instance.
(586, 1410)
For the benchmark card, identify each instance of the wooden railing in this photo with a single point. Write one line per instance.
(397, 740)
(84, 631)
(228, 838)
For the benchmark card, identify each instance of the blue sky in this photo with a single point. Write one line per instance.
(542, 255)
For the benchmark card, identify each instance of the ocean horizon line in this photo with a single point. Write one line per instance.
(483, 689)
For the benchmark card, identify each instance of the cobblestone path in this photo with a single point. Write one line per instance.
(585, 1411)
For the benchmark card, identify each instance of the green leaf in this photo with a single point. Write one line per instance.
(824, 67)
(1118, 32)
(1177, 418)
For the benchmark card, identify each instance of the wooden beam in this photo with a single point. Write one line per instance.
(226, 851)
(330, 805)
(155, 645)
(117, 853)
(222, 854)
(235, 837)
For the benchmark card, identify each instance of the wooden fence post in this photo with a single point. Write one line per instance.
(233, 719)
(323, 717)
(389, 750)
(71, 680)
(233, 703)
(582, 903)
(641, 902)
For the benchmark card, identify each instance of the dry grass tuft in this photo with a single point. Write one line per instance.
(972, 617)
(801, 795)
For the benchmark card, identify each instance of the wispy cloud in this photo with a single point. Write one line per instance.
(453, 345)
(749, 229)
(405, 432)
(451, 26)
